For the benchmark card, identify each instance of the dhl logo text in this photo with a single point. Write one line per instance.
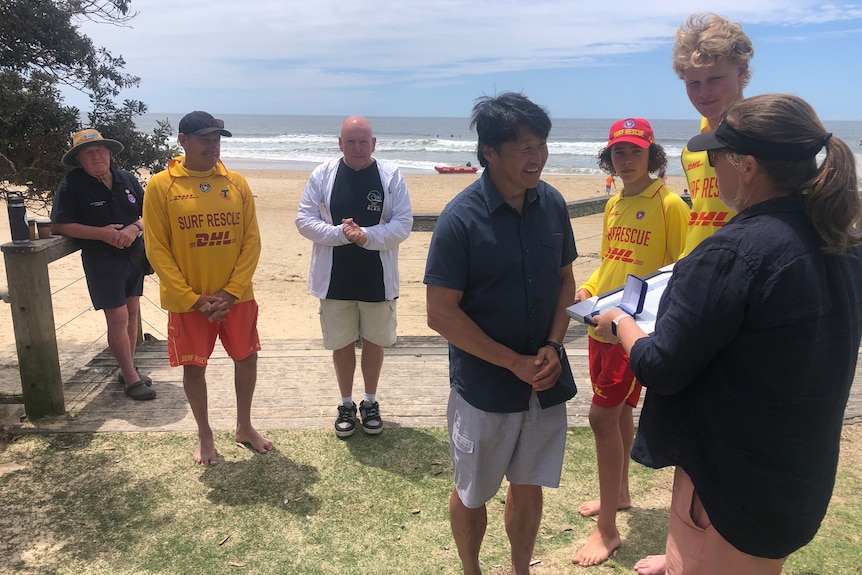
(203, 240)
(622, 255)
(716, 219)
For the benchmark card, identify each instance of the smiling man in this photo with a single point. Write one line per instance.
(499, 278)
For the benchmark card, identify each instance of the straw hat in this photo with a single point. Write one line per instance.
(89, 137)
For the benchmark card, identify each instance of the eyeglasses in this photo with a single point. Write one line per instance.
(711, 155)
(215, 123)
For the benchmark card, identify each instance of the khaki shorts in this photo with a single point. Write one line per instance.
(693, 544)
(342, 322)
(526, 447)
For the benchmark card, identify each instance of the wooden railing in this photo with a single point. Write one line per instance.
(426, 222)
(33, 311)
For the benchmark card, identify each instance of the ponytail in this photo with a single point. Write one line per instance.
(832, 200)
(830, 190)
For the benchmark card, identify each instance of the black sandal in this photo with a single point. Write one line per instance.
(148, 381)
(140, 392)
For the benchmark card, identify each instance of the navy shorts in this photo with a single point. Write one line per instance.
(111, 280)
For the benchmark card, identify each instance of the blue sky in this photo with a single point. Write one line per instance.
(578, 58)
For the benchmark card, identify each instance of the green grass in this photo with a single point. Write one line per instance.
(135, 503)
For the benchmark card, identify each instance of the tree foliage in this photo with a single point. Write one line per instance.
(41, 50)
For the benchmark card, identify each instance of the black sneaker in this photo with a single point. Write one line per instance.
(345, 424)
(369, 411)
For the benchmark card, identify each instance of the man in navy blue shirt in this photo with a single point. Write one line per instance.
(499, 278)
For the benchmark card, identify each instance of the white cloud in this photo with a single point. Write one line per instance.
(194, 47)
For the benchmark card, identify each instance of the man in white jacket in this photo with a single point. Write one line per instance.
(357, 212)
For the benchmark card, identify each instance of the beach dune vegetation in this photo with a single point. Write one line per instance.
(41, 50)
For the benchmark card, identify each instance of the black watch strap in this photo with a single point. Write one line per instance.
(557, 347)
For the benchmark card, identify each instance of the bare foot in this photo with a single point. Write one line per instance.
(597, 549)
(253, 440)
(592, 508)
(651, 565)
(206, 454)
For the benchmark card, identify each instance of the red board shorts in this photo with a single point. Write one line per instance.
(611, 375)
(191, 336)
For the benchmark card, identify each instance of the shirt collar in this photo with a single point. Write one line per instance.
(793, 203)
(493, 199)
(177, 169)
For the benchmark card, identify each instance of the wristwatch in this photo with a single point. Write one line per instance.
(557, 347)
(140, 228)
(616, 322)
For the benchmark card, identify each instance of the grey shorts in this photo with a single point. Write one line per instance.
(344, 321)
(526, 447)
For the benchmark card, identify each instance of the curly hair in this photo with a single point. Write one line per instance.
(707, 38)
(657, 160)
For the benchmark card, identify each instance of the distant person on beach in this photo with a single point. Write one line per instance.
(357, 212)
(499, 279)
(755, 345)
(203, 241)
(711, 55)
(608, 183)
(101, 207)
(647, 222)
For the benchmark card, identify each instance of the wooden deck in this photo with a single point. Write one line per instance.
(296, 389)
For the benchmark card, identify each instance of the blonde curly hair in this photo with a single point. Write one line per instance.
(705, 39)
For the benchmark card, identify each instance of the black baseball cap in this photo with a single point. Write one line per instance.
(202, 123)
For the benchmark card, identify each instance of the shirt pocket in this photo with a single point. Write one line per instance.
(552, 250)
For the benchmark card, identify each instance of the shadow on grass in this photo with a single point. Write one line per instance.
(411, 453)
(75, 500)
(647, 530)
(271, 479)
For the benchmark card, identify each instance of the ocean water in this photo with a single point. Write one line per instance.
(417, 144)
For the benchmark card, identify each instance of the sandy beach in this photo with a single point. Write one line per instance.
(287, 310)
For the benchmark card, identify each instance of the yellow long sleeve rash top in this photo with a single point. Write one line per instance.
(201, 234)
(708, 211)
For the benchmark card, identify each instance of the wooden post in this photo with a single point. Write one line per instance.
(33, 321)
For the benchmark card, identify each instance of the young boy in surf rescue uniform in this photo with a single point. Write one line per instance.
(644, 230)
